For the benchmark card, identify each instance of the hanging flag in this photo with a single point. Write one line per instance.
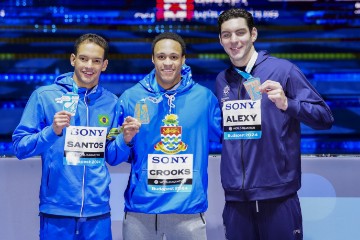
(174, 9)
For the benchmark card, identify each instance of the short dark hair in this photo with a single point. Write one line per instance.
(93, 38)
(236, 13)
(172, 36)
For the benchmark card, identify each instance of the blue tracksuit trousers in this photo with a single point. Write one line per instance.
(272, 219)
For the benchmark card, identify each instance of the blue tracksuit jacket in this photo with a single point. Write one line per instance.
(177, 127)
(67, 190)
(270, 167)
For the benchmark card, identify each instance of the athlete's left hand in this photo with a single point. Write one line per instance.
(275, 93)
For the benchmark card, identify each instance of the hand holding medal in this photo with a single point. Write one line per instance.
(130, 128)
(275, 93)
(60, 121)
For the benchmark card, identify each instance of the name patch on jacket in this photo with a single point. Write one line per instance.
(84, 146)
(170, 173)
(242, 119)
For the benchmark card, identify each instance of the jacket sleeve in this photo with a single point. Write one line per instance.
(33, 135)
(117, 151)
(305, 103)
(215, 130)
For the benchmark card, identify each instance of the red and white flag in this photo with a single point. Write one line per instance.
(174, 9)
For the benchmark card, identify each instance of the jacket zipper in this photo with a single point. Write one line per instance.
(241, 142)
(83, 177)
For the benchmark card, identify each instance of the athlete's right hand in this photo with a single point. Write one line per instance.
(61, 120)
(131, 126)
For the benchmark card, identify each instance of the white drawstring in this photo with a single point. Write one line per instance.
(171, 98)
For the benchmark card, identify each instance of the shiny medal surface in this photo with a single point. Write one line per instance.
(142, 112)
(70, 101)
(252, 88)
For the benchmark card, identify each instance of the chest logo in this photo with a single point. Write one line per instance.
(103, 120)
(171, 136)
(226, 92)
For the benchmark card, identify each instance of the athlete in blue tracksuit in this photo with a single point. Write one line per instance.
(167, 189)
(264, 99)
(74, 191)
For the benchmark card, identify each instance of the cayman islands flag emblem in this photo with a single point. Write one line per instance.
(171, 136)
